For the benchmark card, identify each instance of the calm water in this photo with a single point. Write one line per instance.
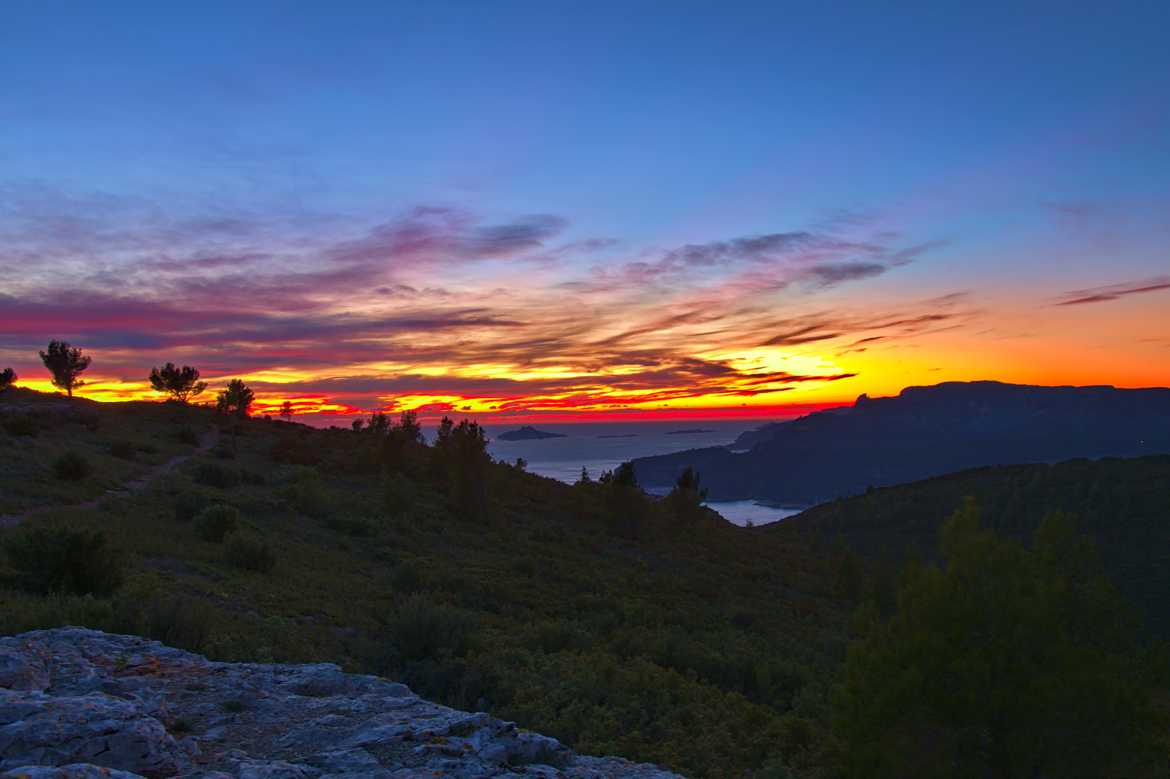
(601, 447)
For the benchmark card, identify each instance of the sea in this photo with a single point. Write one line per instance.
(602, 446)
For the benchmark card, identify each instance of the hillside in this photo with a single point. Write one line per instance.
(1124, 505)
(924, 432)
(588, 613)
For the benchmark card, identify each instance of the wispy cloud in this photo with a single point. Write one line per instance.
(1113, 291)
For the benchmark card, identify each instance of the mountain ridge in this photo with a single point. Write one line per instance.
(924, 432)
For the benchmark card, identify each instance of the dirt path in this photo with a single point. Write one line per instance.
(206, 442)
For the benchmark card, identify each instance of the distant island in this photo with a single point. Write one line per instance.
(528, 433)
(619, 435)
(690, 431)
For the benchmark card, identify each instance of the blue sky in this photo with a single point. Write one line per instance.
(1026, 144)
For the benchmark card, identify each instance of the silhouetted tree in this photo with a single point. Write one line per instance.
(409, 427)
(358, 425)
(65, 364)
(181, 384)
(236, 400)
(686, 498)
(461, 451)
(286, 411)
(1006, 662)
(584, 476)
(403, 442)
(7, 377)
(379, 424)
(625, 501)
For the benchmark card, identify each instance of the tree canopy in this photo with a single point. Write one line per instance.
(7, 377)
(66, 364)
(236, 400)
(1006, 662)
(181, 384)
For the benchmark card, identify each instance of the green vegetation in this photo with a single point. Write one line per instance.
(619, 623)
(1004, 662)
(1123, 505)
(215, 522)
(50, 559)
(71, 466)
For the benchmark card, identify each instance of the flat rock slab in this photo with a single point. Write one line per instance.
(77, 703)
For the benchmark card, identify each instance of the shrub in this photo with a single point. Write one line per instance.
(71, 466)
(224, 451)
(61, 559)
(249, 553)
(215, 522)
(189, 504)
(307, 496)
(187, 435)
(399, 493)
(176, 621)
(422, 629)
(25, 425)
(123, 450)
(216, 475)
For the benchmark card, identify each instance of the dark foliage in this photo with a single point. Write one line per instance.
(1004, 662)
(123, 450)
(181, 384)
(216, 475)
(71, 466)
(460, 452)
(22, 425)
(65, 364)
(7, 378)
(1124, 505)
(189, 504)
(249, 552)
(67, 560)
(215, 522)
(236, 400)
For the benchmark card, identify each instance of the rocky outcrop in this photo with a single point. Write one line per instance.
(82, 703)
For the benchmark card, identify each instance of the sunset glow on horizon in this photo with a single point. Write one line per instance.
(532, 228)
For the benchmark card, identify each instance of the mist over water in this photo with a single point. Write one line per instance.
(602, 446)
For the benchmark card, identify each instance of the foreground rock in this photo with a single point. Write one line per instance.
(78, 703)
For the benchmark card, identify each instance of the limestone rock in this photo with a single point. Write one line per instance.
(77, 703)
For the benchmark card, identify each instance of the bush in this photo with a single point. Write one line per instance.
(65, 560)
(71, 466)
(307, 496)
(123, 450)
(422, 629)
(224, 451)
(399, 493)
(249, 553)
(25, 425)
(215, 522)
(189, 504)
(187, 435)
(216, 475)
(176, 621)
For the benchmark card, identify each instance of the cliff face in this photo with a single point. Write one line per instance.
(82, 703)
(924, 432)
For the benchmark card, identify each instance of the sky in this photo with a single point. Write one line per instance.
(563, 211)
